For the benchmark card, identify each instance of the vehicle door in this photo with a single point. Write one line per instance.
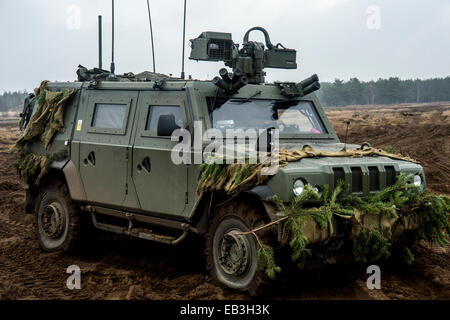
(160, 184)
(105, 145)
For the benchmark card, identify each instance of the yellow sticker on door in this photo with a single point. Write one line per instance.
(79, 124)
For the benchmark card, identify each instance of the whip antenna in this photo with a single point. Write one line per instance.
(113, 67)
(184, 39)
(151, 34)
(100, 66)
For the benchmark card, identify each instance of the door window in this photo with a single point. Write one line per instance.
(155, 112)
(109, 116)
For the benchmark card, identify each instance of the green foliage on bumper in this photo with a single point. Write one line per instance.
(373, 239)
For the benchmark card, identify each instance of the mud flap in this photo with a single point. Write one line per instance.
(29, 201)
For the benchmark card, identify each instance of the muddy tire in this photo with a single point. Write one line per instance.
(57, 219)
(232, 258)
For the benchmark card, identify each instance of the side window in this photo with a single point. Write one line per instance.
(154, 114)
(109, 116)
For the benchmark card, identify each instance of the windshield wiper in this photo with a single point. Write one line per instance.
(257, 93)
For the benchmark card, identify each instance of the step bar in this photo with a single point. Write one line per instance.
(139, 232)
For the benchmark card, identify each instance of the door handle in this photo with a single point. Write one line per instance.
(146, 164)
(90, 158)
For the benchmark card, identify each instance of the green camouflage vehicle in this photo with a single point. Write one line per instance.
(102, 147)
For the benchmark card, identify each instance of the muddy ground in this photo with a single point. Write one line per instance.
(115, 267)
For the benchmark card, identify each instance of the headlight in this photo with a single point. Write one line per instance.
(317, 190)
(417, 181)
(299, 186)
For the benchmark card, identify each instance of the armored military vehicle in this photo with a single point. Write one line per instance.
(102, 147)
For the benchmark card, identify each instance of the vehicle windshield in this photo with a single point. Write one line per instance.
(290, 117)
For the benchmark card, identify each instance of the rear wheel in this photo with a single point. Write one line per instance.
(57, 219)
(231, 256)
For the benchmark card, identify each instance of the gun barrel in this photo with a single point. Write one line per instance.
(243, 81)
(225, 76)
(221, 83)
(237, 74)
(311, 88)
(309, 81)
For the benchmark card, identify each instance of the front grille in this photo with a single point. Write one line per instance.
(390, 175)
(366, 180)
(374, 179)
(357, 181)
(339, 174)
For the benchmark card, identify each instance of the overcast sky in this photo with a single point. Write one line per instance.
(47, 39)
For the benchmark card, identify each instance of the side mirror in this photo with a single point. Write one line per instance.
(264, 142)
(166, 125)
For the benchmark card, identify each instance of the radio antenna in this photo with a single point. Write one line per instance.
(184, 39)
(151, 34)
(100, 54)
(113, 67)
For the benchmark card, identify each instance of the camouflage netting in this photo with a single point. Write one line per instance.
(47, 120)
(378, 222)
(34, 167)
(150, 76)
(85, 74)
(235, 178)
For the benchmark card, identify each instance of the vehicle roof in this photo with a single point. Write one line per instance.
(138, 85)
(204, 87)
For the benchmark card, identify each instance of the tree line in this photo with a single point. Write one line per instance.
(340, 92)
(10, 100)
(383, 91)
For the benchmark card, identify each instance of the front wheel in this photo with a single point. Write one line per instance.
(232, 256)
(57, 219)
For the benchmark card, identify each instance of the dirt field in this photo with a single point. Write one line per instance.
(121, 268)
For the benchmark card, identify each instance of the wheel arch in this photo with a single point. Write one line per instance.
(65, 171)
(202, 211)
(74, 182)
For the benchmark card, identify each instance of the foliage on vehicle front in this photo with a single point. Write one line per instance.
(373, 219)
(237, 177)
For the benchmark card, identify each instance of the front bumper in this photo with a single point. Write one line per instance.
(392, 229)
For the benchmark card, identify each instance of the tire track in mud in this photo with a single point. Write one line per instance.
(18, 227)
(32, 278)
